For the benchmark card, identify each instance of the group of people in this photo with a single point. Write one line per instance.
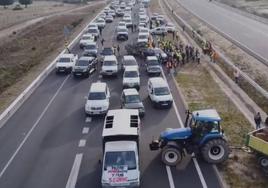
(178, 55)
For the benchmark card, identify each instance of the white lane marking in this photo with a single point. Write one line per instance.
(170, 178)
(85, 130)
(200, 174)
(82, 143)
(202, 179)
(33, 127)
(88, 120)
(74, 172)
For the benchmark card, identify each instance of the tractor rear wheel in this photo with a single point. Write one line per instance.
(263, 162)
(215, 151)
(171, 156)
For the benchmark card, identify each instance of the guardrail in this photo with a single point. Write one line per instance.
(15, 105)
(199, 39)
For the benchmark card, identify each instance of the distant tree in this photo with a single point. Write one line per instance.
(5, 3)
(25, 2)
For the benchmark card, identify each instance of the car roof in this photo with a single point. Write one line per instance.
(206, 115)
(110, 58)
(91, 43)
(129, 57)
(121, 122)
(158, 81)
(149, 58)
(67, 55)
(86, 58)
(131, 68)
(143, 34)
(130, 91)
(98, 87)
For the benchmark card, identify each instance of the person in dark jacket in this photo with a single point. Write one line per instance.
(257, 119)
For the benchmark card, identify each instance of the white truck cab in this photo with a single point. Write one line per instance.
(159, 92)
(66, 62)
(120, 164)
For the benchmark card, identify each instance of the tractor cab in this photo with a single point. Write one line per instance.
(203, 123)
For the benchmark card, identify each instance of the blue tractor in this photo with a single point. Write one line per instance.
(202, 134)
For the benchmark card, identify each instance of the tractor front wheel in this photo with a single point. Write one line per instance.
(171, 156)
(215, 151)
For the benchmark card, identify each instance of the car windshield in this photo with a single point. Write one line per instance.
(64, 60)
(161, 91)
(90, 47)
(122, 24)
(100, 21)
(143, 37)
(128, 21)
(82, 63)
(119, 158)
(153, 63)
(130, 62)
(86, 38)
(130, 74)
(132, 99)
(109, 63)
(107, 51)
(92, 30)
(96, 96)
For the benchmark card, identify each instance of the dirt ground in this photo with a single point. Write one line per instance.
(26, 55)
(257, 7)
(9, 17)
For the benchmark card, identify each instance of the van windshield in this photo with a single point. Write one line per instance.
(133, 99)
(96, 96)
(131, 74)
(109, 63)
(120, 158)
(161, 91)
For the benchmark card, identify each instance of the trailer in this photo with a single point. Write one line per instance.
(257, 141)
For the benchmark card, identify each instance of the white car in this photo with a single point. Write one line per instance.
(129, 61)
(131, 78)
(153, 66)
(142, 25)
(92, 25)
(144, 30)
(143, 19)
(128, 22)
(85, 39)
(109, 18)
(91, 49)
(158, 31)
(159, 92)
(100, 22)
(154, 16)
(106, 10)
(65, 63)
(111, 12)
(122, 24)
(119, 12)
(94, 31)
(143, 37)
(122, 33)
(98, 99)
(109, 66)
(170, 27)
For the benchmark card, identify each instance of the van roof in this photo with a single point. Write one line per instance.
(131, 68)
(98, 87)
(158, 81)
(129, 57)
(149, 58)
(121, 122)
(121, 146)
(110, 58)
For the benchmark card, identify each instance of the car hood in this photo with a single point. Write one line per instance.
(97, 103)
(134, 105)
(131, 80)
(70, 64)
(104, 68)
(163, 97)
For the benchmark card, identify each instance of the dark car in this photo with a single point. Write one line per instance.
(84, 66)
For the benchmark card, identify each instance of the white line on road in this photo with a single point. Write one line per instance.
(31, 130)
(85, 130)
(201, 177)
(170, 178)
(82, 143)
(74, 172)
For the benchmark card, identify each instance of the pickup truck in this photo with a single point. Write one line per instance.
(65, 63)
(257, 141)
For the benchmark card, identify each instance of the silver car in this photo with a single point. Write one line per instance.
(130, 99)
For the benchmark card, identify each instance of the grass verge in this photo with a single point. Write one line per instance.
(201, 91)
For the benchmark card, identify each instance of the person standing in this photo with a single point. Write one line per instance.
(100, 31)
(102, 41)
(236, 75)
(118, 50)
(257, 119)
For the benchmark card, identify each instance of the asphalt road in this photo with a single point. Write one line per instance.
(251, 34)
(41, 141)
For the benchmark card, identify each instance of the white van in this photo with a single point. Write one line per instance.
(159, 92)
(129, 61)
(98, 99)
(131, 78)
(109, 65)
